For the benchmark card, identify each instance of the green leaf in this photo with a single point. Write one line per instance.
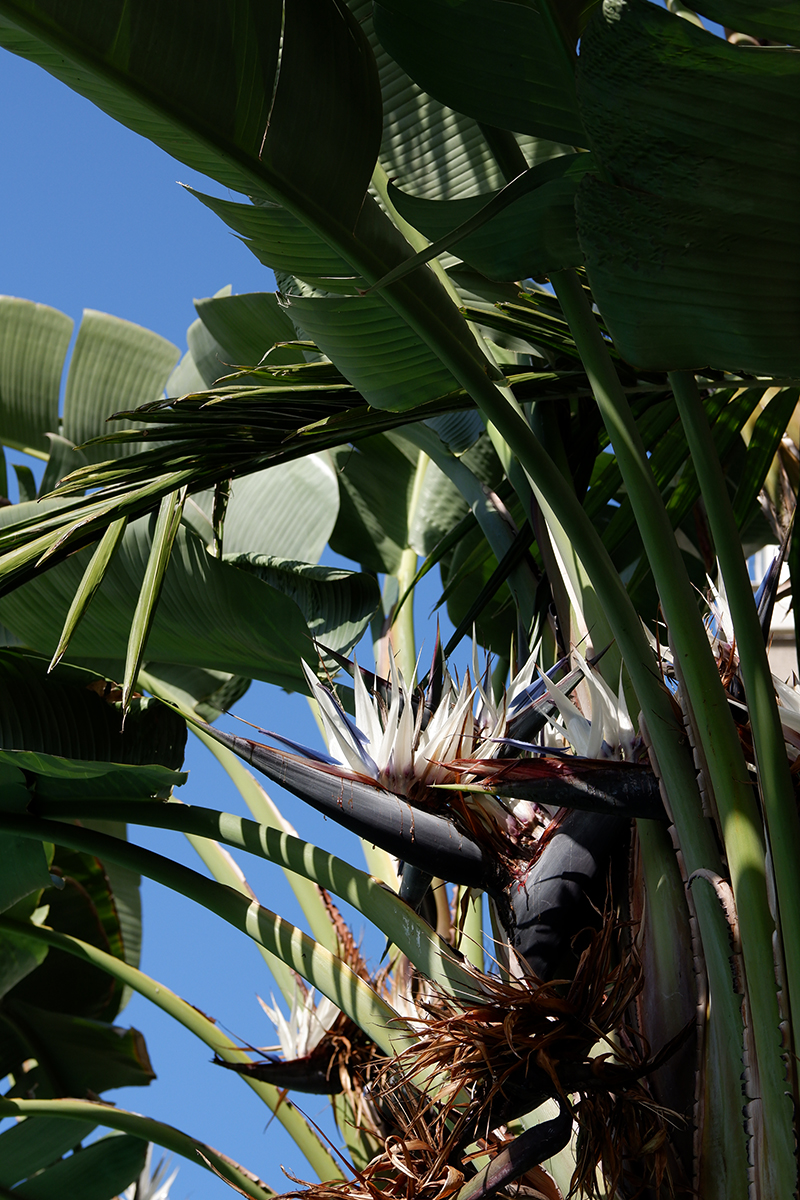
(433, 150)
(84, 907)
(288, 511)
(73, 1054)
(73, 714)
(336, 604)
(146, 1130)
(440, 505)
(210, 614)
(247, 325)
(375, 480)
(36, 1142)
(90, 582)
(465, 575)
(115, 365)
(25, 869)
(100, 1172)
(64, 458)
(20, 956)
(465, 59)
(692, 251)
(774, 20)
(25, 483)
(526, 229)
(459, 431)
(207, 693)
(185, 378)
(166, 528)
(208, 356)
(61, 778)
(374, 349)
(766, 438)
(280, 241)
(33, 347)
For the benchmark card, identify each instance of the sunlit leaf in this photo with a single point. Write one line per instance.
(460, 53)
(33, 345)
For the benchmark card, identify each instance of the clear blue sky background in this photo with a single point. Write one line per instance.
(93, 218)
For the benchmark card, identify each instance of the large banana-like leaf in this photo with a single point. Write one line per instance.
(74, 714)
(33, 346)
(287, 512)
(63, 737)
(280, 241)
(258, 631)
(247, 325)
(690, 235)
(375, 478)
(81, 1172)
(336, 604)
(29, 1146)
(374, 349)
(253, 134)
(115, 365)
(73, 1054)
(433, 150)
(83, 906)
(461, 53)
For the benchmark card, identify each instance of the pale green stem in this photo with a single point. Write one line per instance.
(142, 1127)
(380, 181)
(260, 805)
(682, 10)
(471, 944)
(403, 644)
(775, 782)
(741, 826)
(225, 870)
(391, 915)
(307, 1141)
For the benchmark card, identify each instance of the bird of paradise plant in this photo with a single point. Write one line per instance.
(536, 326)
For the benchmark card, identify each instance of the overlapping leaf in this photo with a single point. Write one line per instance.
(73, 1054)
(462, 54)
(388, 363)
(336, 604)
(690, 238)
(534, 235)
(29, 1146)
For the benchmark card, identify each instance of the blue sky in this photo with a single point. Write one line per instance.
(94, 218)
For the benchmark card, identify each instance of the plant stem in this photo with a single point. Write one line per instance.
(775, 783)
(741, 826)
(260, 805)
(410, 932)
